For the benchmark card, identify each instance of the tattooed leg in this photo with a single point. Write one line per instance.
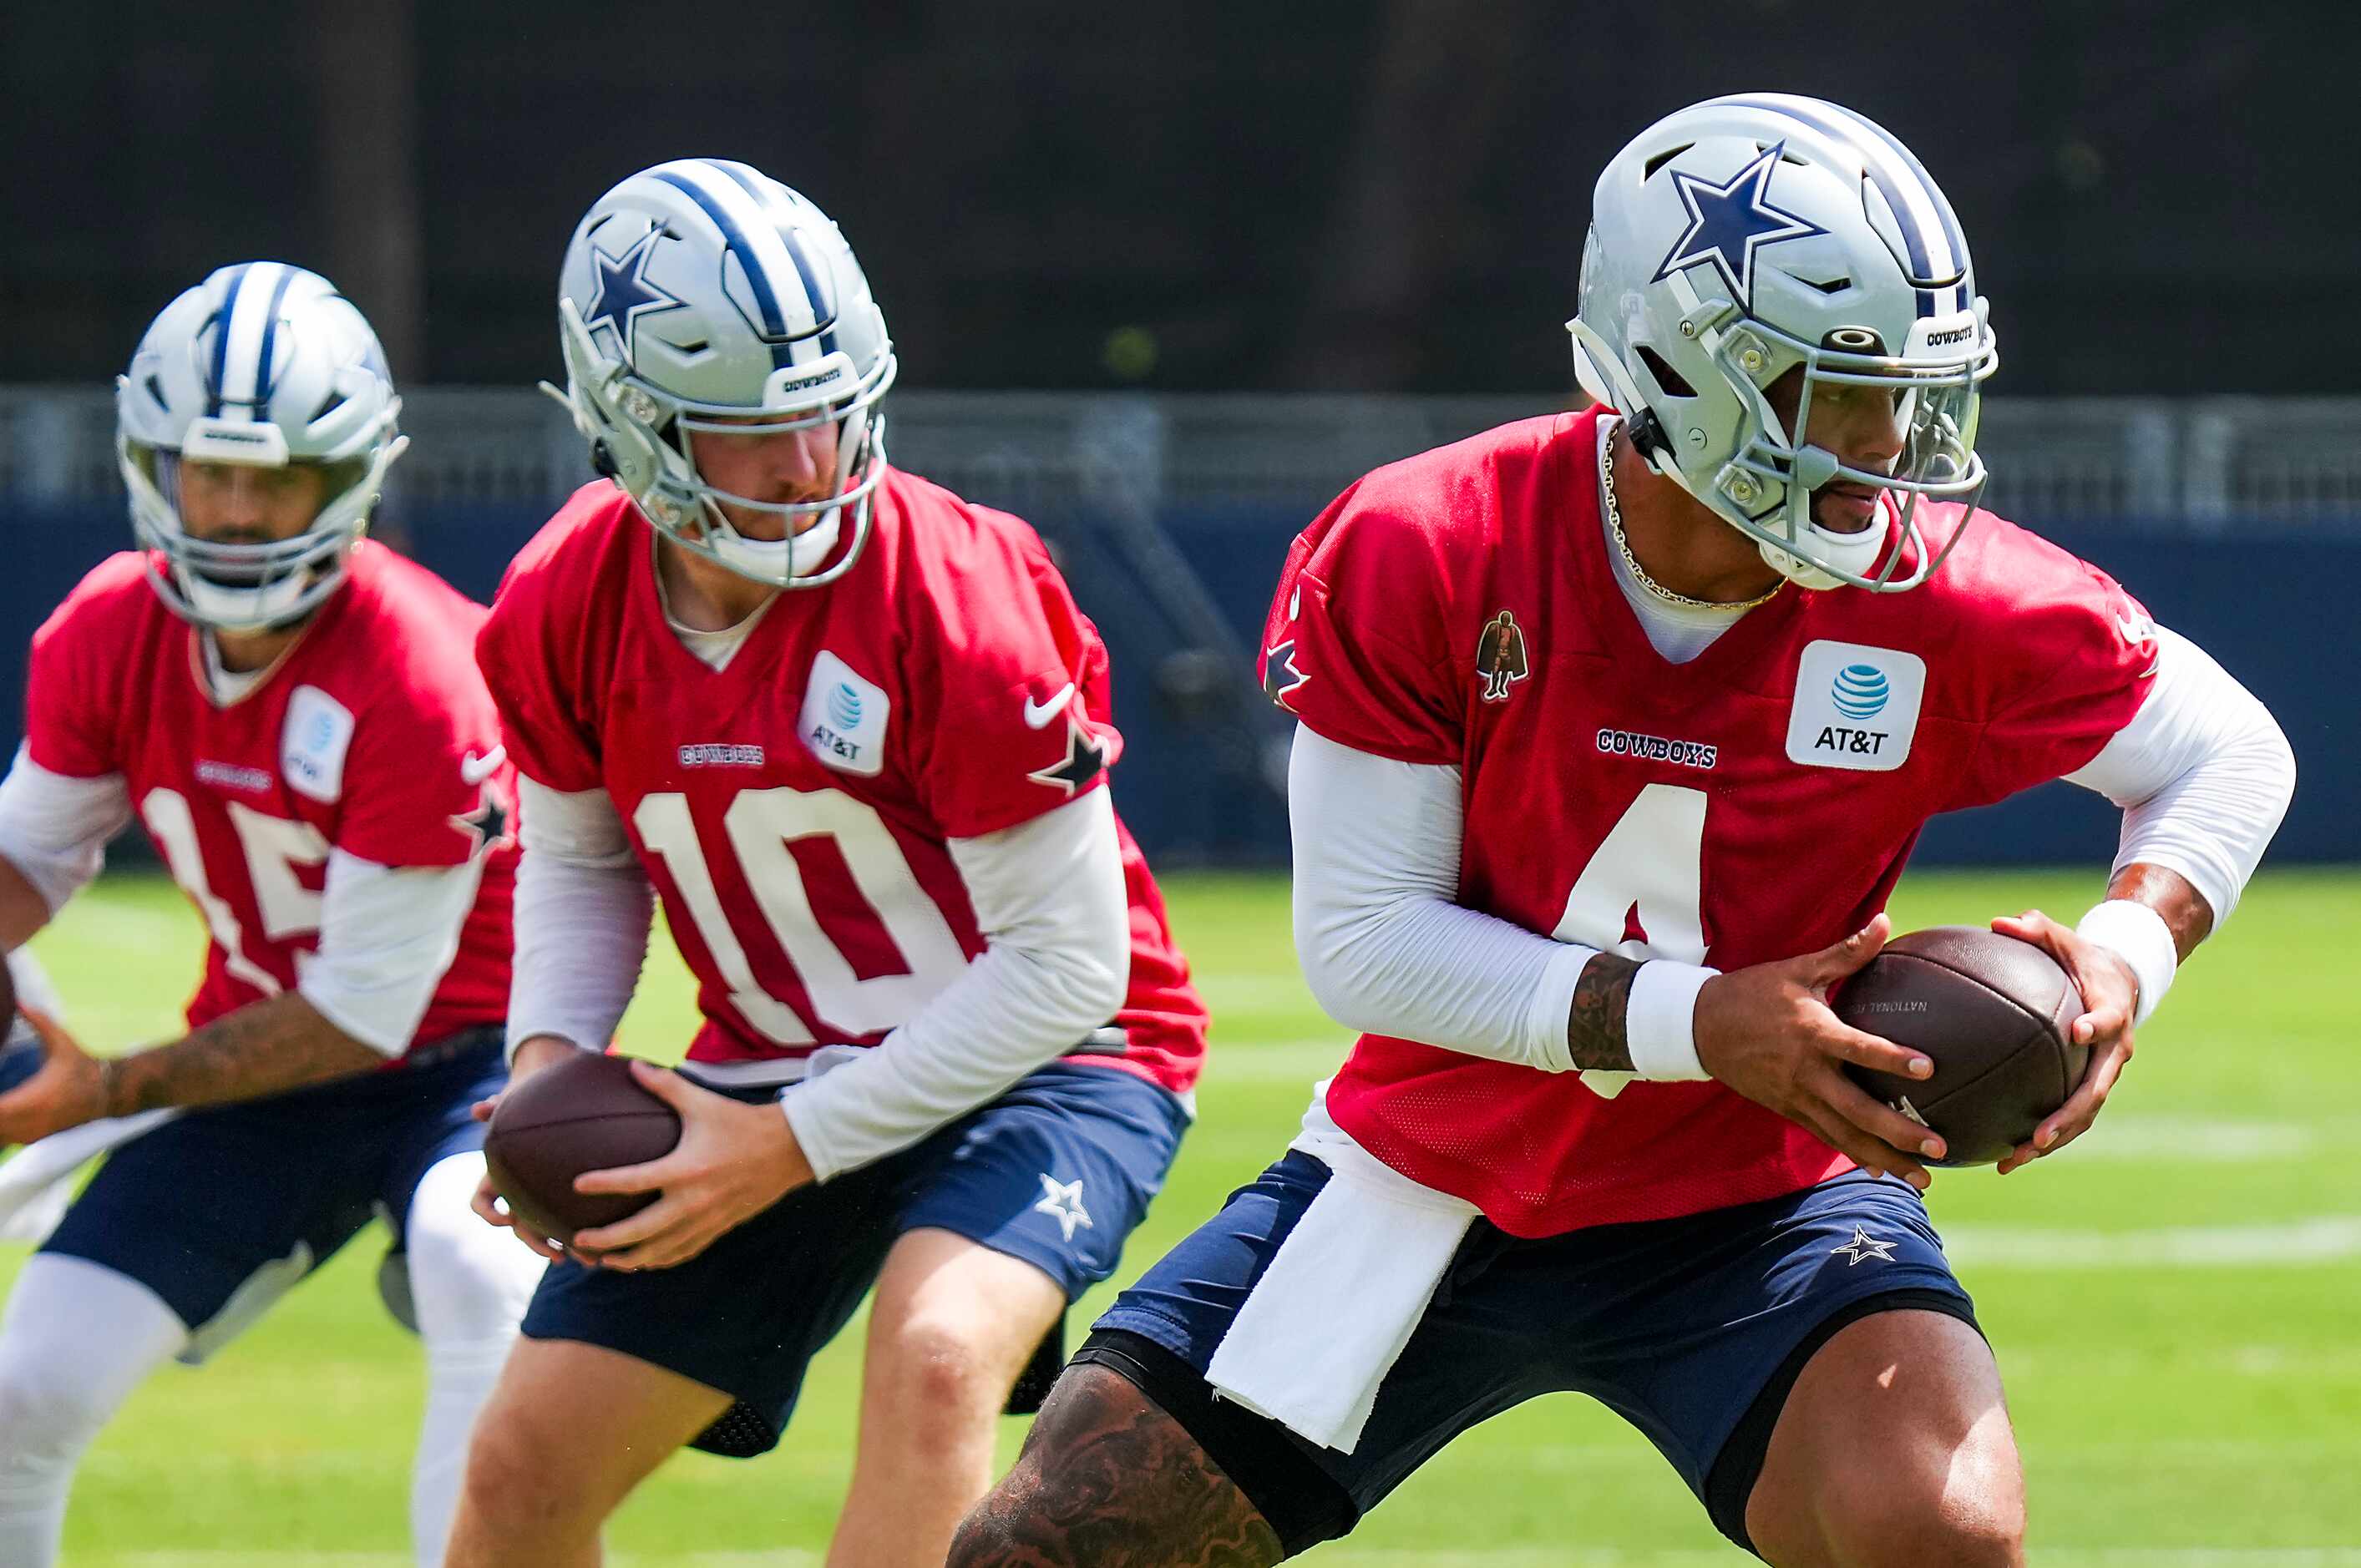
(1108, 1480)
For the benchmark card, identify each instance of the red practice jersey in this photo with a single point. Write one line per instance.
(1752, 804)
(793, 808)
(372, 735)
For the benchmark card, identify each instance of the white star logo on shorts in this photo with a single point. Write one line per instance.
(1062, 1202)
(1862, 1247)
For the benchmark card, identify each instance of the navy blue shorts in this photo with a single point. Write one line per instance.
(1692, 1329)
(1057, 1171)
(219, 1212)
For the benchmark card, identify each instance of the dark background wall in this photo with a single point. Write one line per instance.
(1214, 194)
(1383, 194)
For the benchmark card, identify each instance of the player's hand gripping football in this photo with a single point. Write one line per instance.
(1767, 1032)
(531, 1056)
(69, 1088)
(733, 1161)
(2110, 997)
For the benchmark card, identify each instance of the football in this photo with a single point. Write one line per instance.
(1992, 1013)
(584, 1114)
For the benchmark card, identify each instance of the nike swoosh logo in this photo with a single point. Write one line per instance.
(2134, 631)
(1036, 714)
(475, 770)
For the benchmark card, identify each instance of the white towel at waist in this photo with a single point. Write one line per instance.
(1331, 1314)
(37, 1183)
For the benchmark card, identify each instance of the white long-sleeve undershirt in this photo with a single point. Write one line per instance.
(2202, 773)
(583, 908)
(387, 934)
(1049, 898)
(1384, 946)
(54, 828)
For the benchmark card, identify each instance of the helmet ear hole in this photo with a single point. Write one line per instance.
(1671, 380)
(602, 460)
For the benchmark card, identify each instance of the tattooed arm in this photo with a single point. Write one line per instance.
(265, 1047)
(1596, 1036)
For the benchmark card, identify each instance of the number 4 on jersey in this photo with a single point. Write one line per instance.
(1648, 874)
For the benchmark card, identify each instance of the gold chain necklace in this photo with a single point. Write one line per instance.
(1615, 525)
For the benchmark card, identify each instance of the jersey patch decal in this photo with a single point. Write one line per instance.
(1038, 714)
(234, 775)
(313, 744)
(1501, 656)
(719, 754)
(487, 826)
(1657, 748)
(1855, 708)
(1280, 675)
(1084, 759)
(844, 718)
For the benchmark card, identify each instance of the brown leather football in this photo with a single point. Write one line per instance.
(584, 1113)
(1992, 1013)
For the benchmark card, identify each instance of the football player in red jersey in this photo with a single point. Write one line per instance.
(290, 710)
(1616, 733)
(854, 733)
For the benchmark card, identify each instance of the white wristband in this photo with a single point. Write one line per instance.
(1660, 1018)
(2137, 933)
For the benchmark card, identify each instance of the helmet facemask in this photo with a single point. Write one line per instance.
(249, 586)
(1765, 490)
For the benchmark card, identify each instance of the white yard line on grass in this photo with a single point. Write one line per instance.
(2136, 1135)
(2329, 1239)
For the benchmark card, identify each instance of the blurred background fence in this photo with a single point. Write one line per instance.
(2237, 521)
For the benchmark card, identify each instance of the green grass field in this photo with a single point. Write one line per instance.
(2177, 1301)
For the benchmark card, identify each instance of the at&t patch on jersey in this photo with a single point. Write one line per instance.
(312, 746)
(844, 718)
(1856, 706)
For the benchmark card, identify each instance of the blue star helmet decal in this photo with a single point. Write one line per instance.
(1728, 224)
(624, 292)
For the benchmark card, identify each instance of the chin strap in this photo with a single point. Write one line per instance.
(1648, 438)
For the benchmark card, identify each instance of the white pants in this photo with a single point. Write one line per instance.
(78, 1338)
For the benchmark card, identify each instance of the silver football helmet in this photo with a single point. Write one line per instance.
(1742, 237)
(700, 292)
(265, 365)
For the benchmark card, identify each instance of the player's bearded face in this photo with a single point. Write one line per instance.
(778, 467)
(237, 503)
(1861, 425)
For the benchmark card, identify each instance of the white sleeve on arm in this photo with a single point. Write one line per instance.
(2202, 773)
(583, 906)
(388, 935)
(1049, 898)
(1384, 945)
(54, 827)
